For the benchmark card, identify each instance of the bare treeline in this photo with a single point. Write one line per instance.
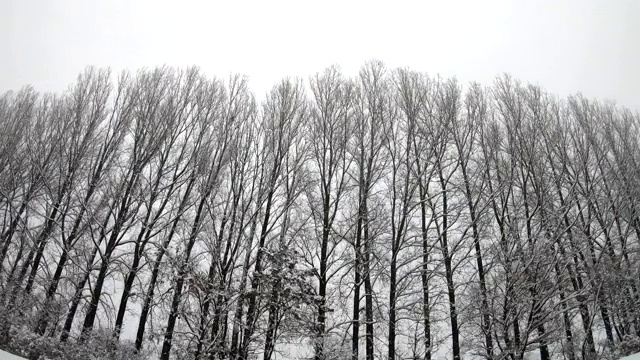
(389, 215)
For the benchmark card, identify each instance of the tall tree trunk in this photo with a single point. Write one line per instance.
(43, 320)
(569, 348)
(322, 288)
(252, 309)
(355, 334)
(576, 279)
(392, 308)
(236, 333)
(77, 297)
(182, 272)
(114, 237)
(13, 226)
(368, 291)
(43, 237)
(274, 310)
(486, 321)
(155, 272)
(424, 275)
(144, 236)
(211, 286)
(448, 267)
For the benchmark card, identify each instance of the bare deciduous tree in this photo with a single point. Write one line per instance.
(392, 210)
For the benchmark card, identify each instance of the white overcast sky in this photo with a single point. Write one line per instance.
(564, 46)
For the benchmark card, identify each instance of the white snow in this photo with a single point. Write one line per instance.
(7, 356)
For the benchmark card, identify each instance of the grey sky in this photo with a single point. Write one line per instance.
(564, 46)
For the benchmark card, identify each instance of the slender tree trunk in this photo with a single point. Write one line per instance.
(368, 290)
(322, 288)
(123, 212)
(204, 315)
(87, 326)
(43, 238)
(569, 348)
(448, 266)
(8, 235)
(355, 336)
(144, 236)
(424, 276)
(182, 272)
(274, 310)
(392, 308)
(155, 272)
(576, 281)
(486, 321)
(252, 309)
(217, 348)
(77, 297)
(424, 273)
(236, 333)
(64, 257)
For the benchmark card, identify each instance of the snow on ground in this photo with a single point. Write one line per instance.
(7, 356)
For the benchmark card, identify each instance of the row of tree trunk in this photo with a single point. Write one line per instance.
(168, 214)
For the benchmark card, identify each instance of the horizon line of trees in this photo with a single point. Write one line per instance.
(390, 215)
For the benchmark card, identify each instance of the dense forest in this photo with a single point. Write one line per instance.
(388, 215)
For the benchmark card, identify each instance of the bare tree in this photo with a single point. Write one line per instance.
(283, 116)
(169, 170)
(372, 116)
(464, 135)
(494, 221)
(103, 150)
(19, 183)
(215, 158)
(329, 131)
